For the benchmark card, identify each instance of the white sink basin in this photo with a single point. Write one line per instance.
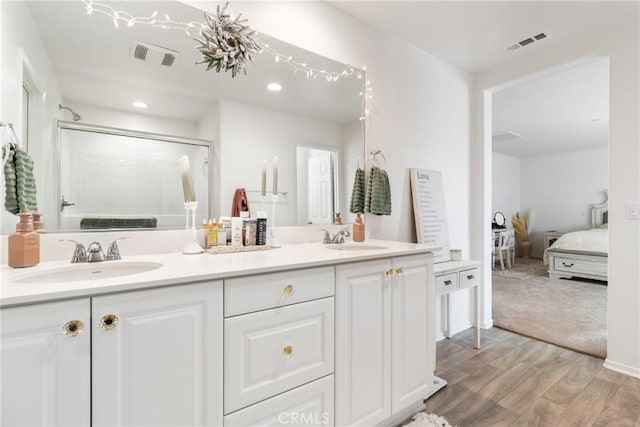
(88, 271)
(355, 247)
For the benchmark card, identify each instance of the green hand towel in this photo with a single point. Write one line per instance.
(20, 183)
(357, 193)
(379, 192)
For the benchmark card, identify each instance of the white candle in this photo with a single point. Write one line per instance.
(263, 191)
(275, 176)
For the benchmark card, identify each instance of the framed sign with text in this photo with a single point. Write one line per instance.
(429, 211)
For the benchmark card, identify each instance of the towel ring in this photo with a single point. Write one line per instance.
(373, 158)
(358, 162)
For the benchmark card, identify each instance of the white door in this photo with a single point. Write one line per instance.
(363, 343)
(320, 188)
(157, 357)
(413, 328)
(45, 358)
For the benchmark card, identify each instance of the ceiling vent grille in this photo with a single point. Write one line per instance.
(154, 54)
(526, 42)
(506, 136)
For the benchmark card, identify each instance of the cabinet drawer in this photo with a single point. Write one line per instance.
(275, 350)
(446, 282)
(254, 293)
(310, 404)
(591, 266)
(469, 277)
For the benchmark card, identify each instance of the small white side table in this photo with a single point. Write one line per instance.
(550, 237)
(453, 276)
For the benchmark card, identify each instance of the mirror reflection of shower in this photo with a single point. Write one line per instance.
(76, 117)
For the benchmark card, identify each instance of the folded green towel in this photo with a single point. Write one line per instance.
(20, 183)
(357, 193)
(378, 193)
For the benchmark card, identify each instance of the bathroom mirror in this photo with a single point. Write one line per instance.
(499, 220)
(90, 67)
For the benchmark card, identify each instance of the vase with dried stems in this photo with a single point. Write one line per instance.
(522, 226)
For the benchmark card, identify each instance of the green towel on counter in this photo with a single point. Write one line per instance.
(378, 193)
(20, 183)
(357, 193)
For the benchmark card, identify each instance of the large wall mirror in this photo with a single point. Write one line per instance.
(121, 161)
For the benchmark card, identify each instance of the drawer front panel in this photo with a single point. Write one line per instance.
(594, 266)
(446, 282)
(254, 293)
(469, 277)
(310, 404)
(272, 351)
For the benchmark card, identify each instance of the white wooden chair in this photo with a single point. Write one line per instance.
(505, 240)
(511, 236)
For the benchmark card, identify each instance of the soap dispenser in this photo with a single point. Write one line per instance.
(358, 229)
(24, 244)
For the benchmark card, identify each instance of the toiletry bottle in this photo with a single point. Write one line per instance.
(38, 225)
(205, 231)
(24, 244)
(222, 234)
(227, 226)
(358, 229)
(261, 228)
(213, 233)
(236, 231)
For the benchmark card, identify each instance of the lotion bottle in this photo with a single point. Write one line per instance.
(358, 229)
(24, 244)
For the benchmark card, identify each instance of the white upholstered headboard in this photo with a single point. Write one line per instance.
(600, 213)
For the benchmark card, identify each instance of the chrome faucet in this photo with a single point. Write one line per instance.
(337, 238)
(113, 251)
(95, 253)
(79, 252)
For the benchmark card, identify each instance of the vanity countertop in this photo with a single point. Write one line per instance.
(178, 268)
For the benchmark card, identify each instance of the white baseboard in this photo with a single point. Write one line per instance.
(486, 325)
(633, 371)
(454, 330)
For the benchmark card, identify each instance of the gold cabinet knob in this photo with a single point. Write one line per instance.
(109, 321)
(287, 351)
(399, 270)
(288, 290)
(73, 328)
(389, 272)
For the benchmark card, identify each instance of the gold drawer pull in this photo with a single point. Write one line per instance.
(73, 328)
(288, 290)
(109, 321)
(287, 351)
(399, 270)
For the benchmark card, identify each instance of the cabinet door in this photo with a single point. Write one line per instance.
(413, 330)
(157, 357)
(363, 343)
(45, 359)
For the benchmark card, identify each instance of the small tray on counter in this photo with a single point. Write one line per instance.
(215, 250)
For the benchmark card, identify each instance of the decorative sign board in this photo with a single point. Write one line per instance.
(429, 211)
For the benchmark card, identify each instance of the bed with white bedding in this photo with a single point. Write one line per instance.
(582, 254)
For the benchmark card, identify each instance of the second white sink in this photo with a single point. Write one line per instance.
(88, 271)
(355, 247)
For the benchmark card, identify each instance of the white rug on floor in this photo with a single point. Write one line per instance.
(427, 420)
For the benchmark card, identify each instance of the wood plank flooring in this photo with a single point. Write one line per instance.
(518, 381)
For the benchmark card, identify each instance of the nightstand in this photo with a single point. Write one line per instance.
(550, 237)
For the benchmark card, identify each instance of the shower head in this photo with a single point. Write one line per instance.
(76, 117)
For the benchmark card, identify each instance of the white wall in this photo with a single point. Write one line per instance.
(561, 188)
(506, 185)
(622, 45)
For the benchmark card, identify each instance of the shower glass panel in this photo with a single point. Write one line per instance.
(130, 180)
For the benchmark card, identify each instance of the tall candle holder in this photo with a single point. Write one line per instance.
(193, 247)
(273, 240)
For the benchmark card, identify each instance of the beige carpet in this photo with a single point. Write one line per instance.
(568, 313)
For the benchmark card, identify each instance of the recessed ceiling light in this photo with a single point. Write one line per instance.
(139, 104)
(274, 87)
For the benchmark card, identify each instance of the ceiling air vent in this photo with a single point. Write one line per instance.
(506, 136)
(154, 54)
(526, 42)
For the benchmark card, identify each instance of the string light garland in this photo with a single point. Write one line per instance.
(215, 59)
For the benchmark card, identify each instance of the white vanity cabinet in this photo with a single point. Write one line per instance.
(151, 357)
(279, 348)
(45, 358)
(157, 357)
(385, 353)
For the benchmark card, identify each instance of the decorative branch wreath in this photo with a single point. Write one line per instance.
(228, 43)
